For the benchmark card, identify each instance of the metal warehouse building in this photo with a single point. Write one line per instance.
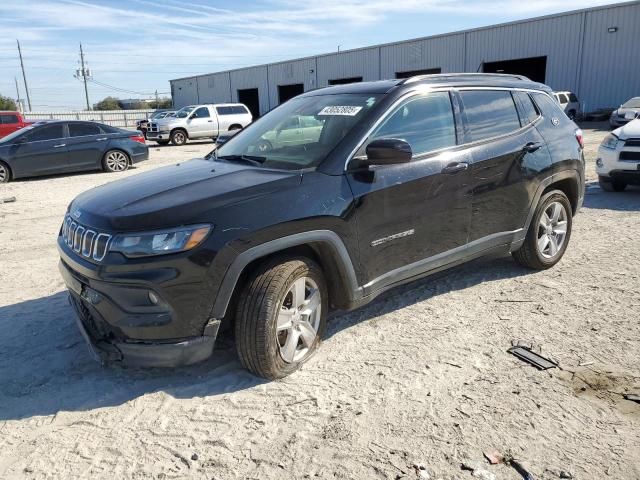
(592, 52)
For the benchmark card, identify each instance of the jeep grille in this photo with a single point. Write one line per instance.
(85, 241)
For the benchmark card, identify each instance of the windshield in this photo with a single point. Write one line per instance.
(184, 112)
(301, 132)
(633, 103)
(9, 138)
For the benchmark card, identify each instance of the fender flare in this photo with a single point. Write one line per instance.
(556, 177)
(325, 237)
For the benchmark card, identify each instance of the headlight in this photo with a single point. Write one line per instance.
(160, 242)
(610, 141)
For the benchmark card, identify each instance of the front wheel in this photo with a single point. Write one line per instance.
(610, 185)
(548, 234)
(281, 316)
(115, 161)
(178, 137)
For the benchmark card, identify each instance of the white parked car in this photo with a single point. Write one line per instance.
(626, 112)
(618, 162)
(199, 121)
(569, 103)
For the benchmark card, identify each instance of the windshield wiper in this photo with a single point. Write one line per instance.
(251, 159)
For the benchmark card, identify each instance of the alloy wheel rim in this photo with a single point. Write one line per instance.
(117, 161)
(3, 173)
(298, 320)
(552, 230)
(179, 137)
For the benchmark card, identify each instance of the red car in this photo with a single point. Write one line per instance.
(10, 122)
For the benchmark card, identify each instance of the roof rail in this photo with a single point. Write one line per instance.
(464, 76)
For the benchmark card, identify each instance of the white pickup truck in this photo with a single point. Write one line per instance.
(199, 121)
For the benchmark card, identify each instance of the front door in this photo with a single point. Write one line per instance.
(409, 213)
(85, 146)
(41, 151)
(202, 124)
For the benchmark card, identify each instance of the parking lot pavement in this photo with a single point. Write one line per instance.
(420, 376)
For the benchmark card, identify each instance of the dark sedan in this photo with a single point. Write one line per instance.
(73, 146)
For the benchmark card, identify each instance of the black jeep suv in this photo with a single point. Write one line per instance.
(330, 199)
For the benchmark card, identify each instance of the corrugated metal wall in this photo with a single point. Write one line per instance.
(602, 68)
(289, 73)
(611, 61)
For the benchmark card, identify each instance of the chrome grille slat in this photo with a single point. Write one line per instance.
(85, 241)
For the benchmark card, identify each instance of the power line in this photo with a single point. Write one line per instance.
(124, 90)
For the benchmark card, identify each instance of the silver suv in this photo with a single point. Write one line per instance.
(199, 121)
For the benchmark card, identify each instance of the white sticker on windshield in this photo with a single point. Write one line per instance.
(347, 110)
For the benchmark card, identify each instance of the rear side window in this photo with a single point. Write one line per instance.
(526, 108)
(239, 110)
(573, 98)
(563, 98)
(550, 109)
(109, 129)
(49, 132)
(489, 113)
(202, 112)
(7, 119)
(425, 122)
(83, 129)
(224, 110)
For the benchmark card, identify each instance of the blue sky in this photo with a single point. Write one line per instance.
(139, 45)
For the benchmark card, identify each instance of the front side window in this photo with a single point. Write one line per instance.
(83, 129)
(489, 113)
(425, 122)
(299, 133)
(8, 119)
(563, 98)
(202, 112)
(49, 132)
(184, 112)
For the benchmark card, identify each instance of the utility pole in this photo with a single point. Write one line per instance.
(157, 106)
(84, 76)
(24, 76)
(17, 89)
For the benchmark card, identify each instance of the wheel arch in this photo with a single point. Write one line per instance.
(235, 126)
(9, 169)
(186, 132)
(568, 186)
(322, 246)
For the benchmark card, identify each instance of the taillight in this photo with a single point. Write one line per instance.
(137, 138)
(580, 138)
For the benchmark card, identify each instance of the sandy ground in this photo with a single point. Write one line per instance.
(419, 377)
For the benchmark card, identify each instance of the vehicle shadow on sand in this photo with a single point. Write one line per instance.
(45, 366)
(626, 201)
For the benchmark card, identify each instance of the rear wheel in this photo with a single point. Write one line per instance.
(178, 137)
(610, 185)
(548, 234)
(115, 161)
(5, 173)
(281, 316)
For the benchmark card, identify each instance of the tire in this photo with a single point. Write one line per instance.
(178, 137)
(269, 301)
(571, 115)
(163, 142)
(115, 161)
(610, 185)
(5, 173)
(545, 243)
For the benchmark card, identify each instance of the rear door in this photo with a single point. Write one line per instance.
(201, 123)
(85, 145)
(507, 156)
(408, 212)
(43, 151)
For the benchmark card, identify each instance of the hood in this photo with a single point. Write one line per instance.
(181, 194)
(630, 130)
(622, 110)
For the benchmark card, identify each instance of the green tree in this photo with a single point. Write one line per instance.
(7, 103)
(108, 103)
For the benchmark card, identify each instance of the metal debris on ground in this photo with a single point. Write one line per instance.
(519, 468)
(7, 200)
(526, 354)
(633, 397)
(493, 456)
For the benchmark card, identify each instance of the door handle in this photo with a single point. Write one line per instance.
(61, 145)
(455, 167)
(210, 121)
(532, 147)
(101, 139)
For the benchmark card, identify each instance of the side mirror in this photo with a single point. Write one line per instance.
(388, 151)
